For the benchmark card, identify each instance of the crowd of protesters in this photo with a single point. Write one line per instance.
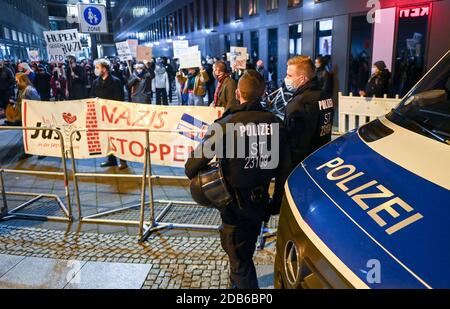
(159, 81)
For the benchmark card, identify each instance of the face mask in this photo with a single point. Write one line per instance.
(290, 85)
(139, 72)
(318, 66)
(97, 72)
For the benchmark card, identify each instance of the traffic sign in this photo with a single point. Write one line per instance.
(92, 18)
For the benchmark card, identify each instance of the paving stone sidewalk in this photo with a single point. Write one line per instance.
(173, 262)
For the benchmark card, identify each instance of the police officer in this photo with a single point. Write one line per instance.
(309, 115)
(248, 176)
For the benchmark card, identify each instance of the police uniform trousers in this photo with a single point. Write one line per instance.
(239, 242)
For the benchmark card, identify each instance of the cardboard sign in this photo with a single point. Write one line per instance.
(133, 44)
(123, 51)
(144, 53)
(61, 44)
(175, 130)
(238, 57)
(179, 47)
(192, 59)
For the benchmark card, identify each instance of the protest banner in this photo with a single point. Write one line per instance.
(179, 47)
(238, 57)
(61, 44)
(33, 55)
(191, 58)
(124, 51)
(176, 130)
(144, 53)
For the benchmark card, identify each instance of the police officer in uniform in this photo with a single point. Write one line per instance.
(309, 115)
(248, 177)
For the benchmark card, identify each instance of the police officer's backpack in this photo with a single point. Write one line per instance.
(209, 188)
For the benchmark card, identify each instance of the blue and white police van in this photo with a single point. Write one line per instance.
(372, 208)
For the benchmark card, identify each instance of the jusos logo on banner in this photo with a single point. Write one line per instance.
(175, 131)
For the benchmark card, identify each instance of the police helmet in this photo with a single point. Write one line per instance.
(210, 189)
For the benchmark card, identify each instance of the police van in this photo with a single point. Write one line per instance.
(372, 208)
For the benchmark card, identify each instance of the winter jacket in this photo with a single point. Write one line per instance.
(109, 89)
(161, 80)
(378, 84)
(201, 79)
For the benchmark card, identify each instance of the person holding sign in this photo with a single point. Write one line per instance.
(194, 84)
(138, 84)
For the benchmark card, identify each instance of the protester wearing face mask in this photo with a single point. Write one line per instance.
(324, 77)
(161, 85)
(309, 115)
(42, 82)
(58, 84)
(262, 70)
(108, 87)
(138, 84)
(378, 84)
(224, 95)
(76, 83)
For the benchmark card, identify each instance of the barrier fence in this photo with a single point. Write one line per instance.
(17, 212)
(155, 221)
(356, 111)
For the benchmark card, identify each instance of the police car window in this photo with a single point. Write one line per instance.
(427, 106)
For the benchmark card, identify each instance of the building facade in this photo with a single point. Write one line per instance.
(16, 38)
(409, 35)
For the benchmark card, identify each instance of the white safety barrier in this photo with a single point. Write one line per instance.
(357, 111)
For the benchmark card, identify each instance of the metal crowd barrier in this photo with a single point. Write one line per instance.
(35, 197)
(146, 227)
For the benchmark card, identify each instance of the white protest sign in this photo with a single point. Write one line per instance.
(238, 57)
(61, 44)
(33, 55)
(179, 47)
(191, 58)
(144, 53)
(123, 51)
(175, 130)
(133, 44)
(93, 18)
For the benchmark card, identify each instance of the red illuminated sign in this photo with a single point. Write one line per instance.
(415, 12)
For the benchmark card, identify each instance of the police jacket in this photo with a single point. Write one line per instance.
(249, 176)
(308, 120)
(109, 89)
